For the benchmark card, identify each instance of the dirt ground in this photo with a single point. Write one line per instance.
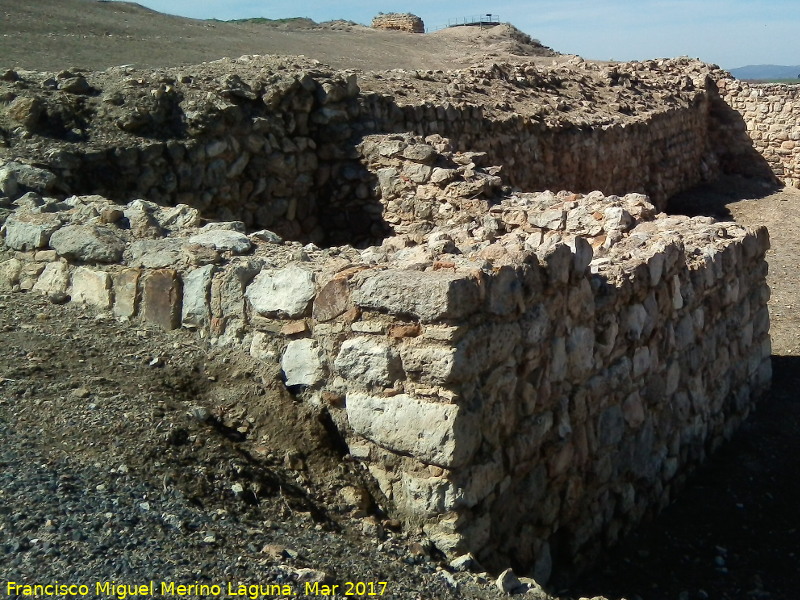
(50, 35)
(197, 427)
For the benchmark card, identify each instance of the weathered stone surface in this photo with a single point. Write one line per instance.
(400, 22)
(434, 433)
(30, 231)
(368, 361)
(88, 243)
(224, 240)
(18, 178)
(91, 287)
(428, 296)
(332, 300)
(126, 293)
(161, 298)
(432, 364)
(156, 254)
(196, 308)
(9, 274)
(287, 292)
(54, 279)
(302, 363)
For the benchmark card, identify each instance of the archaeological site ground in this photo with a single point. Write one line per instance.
(288, 306)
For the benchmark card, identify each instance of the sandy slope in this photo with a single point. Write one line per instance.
(55, 34)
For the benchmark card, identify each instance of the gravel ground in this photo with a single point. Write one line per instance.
(132, 455)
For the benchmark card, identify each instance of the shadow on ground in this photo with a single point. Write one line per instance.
(733, 532)
(712, 199)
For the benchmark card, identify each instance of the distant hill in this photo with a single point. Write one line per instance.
(767, 72)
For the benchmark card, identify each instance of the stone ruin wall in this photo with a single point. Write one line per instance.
(770, 115)
(399, 22)
(526, 375)
(281, 152)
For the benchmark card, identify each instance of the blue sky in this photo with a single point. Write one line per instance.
(730, 33)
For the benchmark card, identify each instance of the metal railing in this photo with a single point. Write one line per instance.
(487, 20)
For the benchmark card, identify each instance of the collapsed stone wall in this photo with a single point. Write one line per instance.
(399, 22)
(525, 377)
(274, 143)
(769, 118)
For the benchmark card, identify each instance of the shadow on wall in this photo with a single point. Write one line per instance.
(732, 533)
(732, 145)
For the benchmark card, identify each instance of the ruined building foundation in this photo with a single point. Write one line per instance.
(526, 374)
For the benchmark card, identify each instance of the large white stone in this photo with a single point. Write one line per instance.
(368, 361)
(302, 363)
(54, 279)
(283, 292)
(435, 433)
(91, 287)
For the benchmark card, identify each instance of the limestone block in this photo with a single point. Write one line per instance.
(54, 279)
(435, 433)
(634, 321)
(429, 296)
(126, 293)
(16, 178)
(88, 243)
(91, 287)
(284, 292)
(302, 363)
(426, 496)
(224, 240)
(582, 254)
(368, 361)
(555, 220)
(196, 308)
(228, 289)
(161, 298)
(156, 254)
(431, 364)
(30, 231)
(9, 274)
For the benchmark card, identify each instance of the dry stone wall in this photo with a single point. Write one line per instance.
(769, 118)
(275, 143)
(526, 378)
(526, 375)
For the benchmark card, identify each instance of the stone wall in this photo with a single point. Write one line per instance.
(526, 377)
(399, 22)
(278, 149)
(769, 116)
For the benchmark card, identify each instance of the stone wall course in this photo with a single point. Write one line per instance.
(526, 375)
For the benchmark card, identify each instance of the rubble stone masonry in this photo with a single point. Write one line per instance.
(526, 374)
(771, 117)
